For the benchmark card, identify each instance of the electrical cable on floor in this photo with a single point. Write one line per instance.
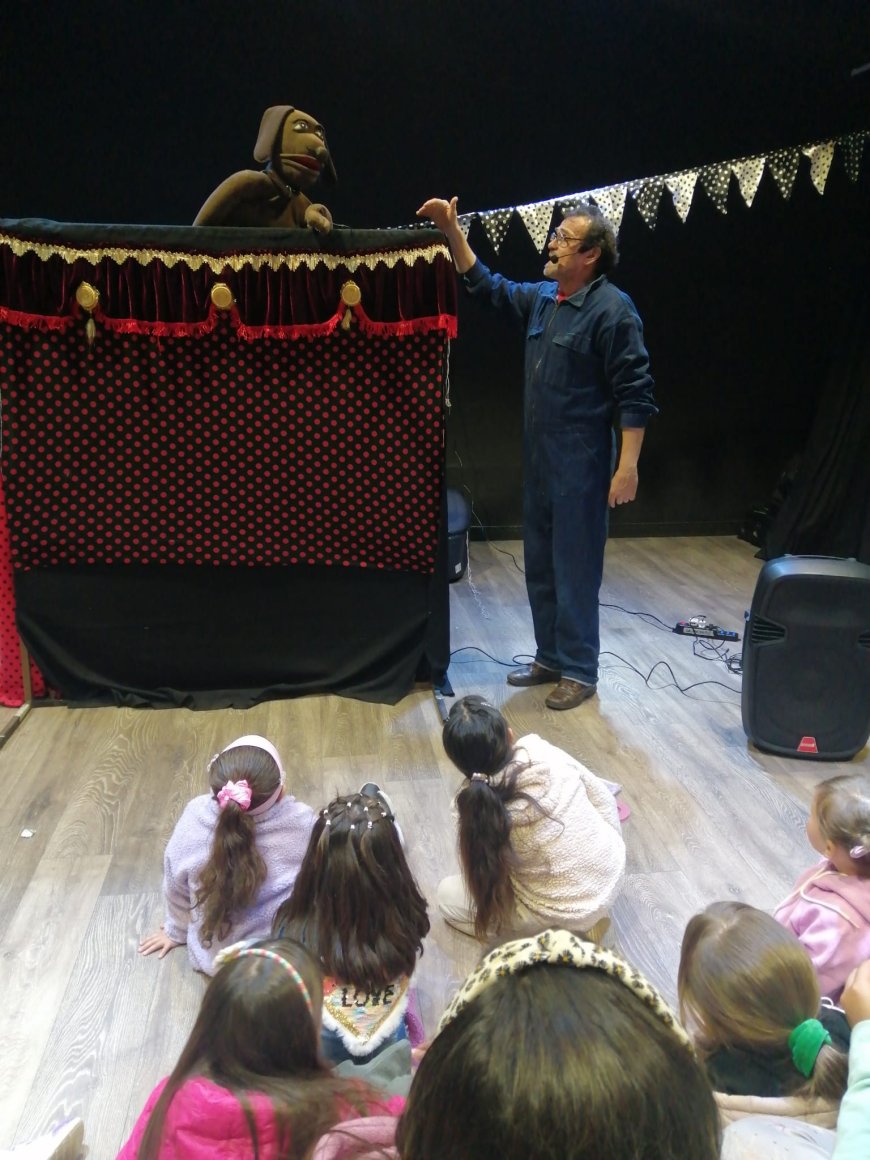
(684, 689)
(645, 616)
(519, 659)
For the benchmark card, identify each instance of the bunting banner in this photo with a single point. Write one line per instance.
(820, 157)
(648, 193)
(715, 179)
(647, 197)
(783, 164)
(611, 202)
(853, 147)
(681, 187)
(495, 223)
(536, 217)
(749, 172)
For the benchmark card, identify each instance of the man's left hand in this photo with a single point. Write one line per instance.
(623, 486)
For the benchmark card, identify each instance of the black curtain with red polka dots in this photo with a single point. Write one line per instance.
(223, 472)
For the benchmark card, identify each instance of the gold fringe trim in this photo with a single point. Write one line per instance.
(218, 262)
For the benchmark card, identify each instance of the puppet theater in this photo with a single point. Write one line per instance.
(225, 452)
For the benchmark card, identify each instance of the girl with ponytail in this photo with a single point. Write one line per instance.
(539, 838)
(233, 856)
(750, 997)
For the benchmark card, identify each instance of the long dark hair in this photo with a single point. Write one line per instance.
(355, 903)
(235, 870)
(559, 1064)
(255, 1033)
(477, 740)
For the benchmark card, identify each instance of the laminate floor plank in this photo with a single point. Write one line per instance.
(40, 948)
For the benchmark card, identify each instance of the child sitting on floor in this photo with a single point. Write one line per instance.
(356, 906)
(557, 1048)
(750, 996)
(250, 1081)
(829, 907)
(539, 837)
(233, 855)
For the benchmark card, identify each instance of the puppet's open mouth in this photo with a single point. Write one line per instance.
(303, 160)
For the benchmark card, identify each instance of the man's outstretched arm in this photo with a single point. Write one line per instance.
(443, 214)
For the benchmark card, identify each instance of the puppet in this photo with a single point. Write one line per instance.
(293, 147)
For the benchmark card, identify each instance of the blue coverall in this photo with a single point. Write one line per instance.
(586, 363)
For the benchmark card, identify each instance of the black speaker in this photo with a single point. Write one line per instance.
(806, 658)
(458, 523)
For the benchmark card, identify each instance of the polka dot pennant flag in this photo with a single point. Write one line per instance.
(682, 190)
(465, 220)
(647, 195)
(820, 163)
(611, 201)
(783, 164)
(748, 171)
(851, 148)
(715, 180)
(495, 224)
(569, 205)
(536, 217)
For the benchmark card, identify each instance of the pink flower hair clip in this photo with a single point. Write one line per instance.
(235, 791)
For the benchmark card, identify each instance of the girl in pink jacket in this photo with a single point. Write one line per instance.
(829, 907)
(250, 1080)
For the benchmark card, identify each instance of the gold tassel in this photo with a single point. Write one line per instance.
(88, 297)
(351, 295)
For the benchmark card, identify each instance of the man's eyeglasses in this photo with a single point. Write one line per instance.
(559, 235)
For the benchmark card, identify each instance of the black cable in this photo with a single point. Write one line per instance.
(503, 551)
(643, 615)
(720, 651)
(519, 659)
(664, 664)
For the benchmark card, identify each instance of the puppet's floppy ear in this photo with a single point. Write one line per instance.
(329, 172)
(270, 128)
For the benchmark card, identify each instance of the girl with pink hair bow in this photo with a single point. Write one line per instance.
(233, 856)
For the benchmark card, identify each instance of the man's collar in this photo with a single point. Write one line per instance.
(579, 296)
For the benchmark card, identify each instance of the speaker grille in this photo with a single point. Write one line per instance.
(763, 630)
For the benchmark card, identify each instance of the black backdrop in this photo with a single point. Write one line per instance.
(135, 111)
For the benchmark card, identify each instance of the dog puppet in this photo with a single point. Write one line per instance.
(292, 145)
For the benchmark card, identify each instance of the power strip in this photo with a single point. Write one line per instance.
(684, 628)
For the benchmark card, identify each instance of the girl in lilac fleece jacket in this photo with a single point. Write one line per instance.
(829, 907)
(233, 856)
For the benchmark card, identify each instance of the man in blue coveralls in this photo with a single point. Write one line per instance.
(586, 366)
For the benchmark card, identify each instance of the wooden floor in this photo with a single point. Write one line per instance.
(87, 1026)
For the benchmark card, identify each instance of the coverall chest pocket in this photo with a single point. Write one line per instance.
(578, 344)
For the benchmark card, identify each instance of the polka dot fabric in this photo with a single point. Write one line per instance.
(218, 451)
(11, 683)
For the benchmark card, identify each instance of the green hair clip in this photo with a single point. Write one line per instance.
(805, 1043)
